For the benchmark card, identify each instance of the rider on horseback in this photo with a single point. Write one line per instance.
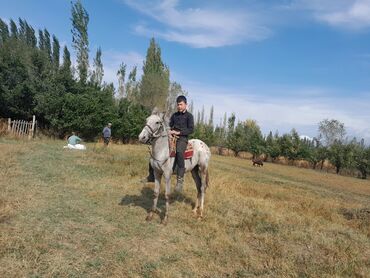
(182, 125)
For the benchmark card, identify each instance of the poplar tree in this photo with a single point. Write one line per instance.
(155, 80)
(47, 44)
(13, 29)
(132, 87)
(98, 72)
(211, 117)
(56, 53)
(22, 30)
(66, 69)
(121, 74)
(30, 36)
(4, 32)
(41, 40)
(80, 41)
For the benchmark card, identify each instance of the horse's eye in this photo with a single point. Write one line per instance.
(158, 123)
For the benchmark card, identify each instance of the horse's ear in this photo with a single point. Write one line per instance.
(166, 118)
(155, 111)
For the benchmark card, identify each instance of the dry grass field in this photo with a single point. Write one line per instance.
(67, 213)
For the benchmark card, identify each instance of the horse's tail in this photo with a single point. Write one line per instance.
(207, 179)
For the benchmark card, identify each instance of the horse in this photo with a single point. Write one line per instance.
(257, 161)
(155, 133)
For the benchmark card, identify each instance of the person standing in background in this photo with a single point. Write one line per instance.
(107, 134)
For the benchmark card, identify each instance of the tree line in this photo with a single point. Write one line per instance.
(331, 144)
(37, 78)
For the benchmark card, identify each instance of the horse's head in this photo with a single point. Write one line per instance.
(153, 128)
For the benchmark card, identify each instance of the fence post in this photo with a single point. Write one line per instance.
(21, 129)
(24, 128)
(16, 127)
(31, 134)
(9, 124)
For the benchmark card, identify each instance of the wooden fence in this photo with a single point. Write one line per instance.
(21, 128)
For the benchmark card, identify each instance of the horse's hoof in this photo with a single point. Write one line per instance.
(178, 190)
(164, 221)
(149, 217)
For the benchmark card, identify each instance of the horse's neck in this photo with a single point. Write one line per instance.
(160, 148)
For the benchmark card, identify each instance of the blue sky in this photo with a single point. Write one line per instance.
(284, 63)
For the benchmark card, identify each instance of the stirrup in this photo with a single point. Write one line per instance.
(179, 184)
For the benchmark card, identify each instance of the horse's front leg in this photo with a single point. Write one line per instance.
(198, 184)
(157, 186)
(167, 196)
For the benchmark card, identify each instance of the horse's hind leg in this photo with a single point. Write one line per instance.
(198, 183)
(157, 186)
(204, 173)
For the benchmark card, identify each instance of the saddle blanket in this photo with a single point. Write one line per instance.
(188, 152)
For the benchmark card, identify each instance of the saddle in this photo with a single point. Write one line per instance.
(188, 152)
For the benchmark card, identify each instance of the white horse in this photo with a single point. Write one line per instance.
(156, 134)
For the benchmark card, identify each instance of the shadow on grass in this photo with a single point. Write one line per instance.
(145, 200)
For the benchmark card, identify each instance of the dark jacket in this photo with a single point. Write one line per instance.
(183, 122)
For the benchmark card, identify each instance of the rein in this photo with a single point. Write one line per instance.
(154, 135)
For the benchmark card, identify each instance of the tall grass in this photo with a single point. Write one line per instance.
(67, 213)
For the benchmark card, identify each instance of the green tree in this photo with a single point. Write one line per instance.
(65, 75)
(254, 138)
(41, 40)
(16, 90)
(341, 155)
(155, 80)
(121, 74)
(56, 53)
(47, 44)
(237, 140)
(22, 30)
(30, 36)
(13, 29)
(80, 40)
(362, 159)
(272, 146)
(130, 120)
(132, 86)
(4, 32)
(98, 72)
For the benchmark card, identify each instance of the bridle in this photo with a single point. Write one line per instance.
(154, 134)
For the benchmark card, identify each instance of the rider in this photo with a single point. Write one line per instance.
(182, 125)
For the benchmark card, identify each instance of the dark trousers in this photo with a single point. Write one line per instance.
(150, 176)
(181, 144)
(106, 140)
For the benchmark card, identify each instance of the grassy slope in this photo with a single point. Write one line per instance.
(82, 214)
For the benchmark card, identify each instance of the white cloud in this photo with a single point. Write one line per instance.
(199, 27)
(302, 109)
(348, 14)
